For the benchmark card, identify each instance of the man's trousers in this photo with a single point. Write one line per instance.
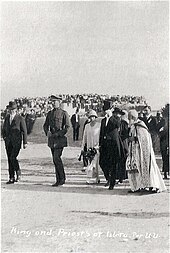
(13, 165)
(59, 168)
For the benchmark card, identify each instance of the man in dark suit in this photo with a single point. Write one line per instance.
(13, 132)
(109, 144)
(150, 122)
(75, 121)
(55, 127)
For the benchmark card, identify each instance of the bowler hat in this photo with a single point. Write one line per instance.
(107, 105)
(53, 98)
(12, 105)
(118, 111)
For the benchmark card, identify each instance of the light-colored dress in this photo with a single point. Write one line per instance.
(91, 138)
(143, 171)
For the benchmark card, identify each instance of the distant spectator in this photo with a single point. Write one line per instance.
(75, 121)
(164, 141)
(160, 121)
(140, 115)
(150, 122)
(30, 120)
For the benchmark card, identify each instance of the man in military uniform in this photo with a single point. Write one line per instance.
(55, 127)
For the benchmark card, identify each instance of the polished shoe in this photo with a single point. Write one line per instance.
(111, 187)
(61, 182)
(10, 182)
(107, 184)
(130, 191)
(55, 185)
(119, 182)
(139, 190)
(155, 191)
(18, 179)
(84, 169)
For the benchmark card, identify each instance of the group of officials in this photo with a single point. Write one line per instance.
(112, 141)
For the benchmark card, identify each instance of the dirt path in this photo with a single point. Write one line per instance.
(77, 217)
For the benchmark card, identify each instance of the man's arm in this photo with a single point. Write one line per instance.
(101, 133)
(72, 120)
(66, 125)
(4, 129)
(24, 130)
(46, 124)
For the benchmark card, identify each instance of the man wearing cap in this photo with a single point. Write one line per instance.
(55, 127)
(13, 132)
(109, 144)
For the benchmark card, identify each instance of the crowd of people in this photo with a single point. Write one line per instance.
(121, 143)
(42, 105)
(124, 148)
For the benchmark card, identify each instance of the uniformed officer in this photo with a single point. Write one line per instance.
(55, 127)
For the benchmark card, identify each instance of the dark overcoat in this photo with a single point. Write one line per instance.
(16, 131)
(109, 142)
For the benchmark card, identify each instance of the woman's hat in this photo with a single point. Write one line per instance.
(107, 105)
(92, 113)
(12, 105)
(133, 113)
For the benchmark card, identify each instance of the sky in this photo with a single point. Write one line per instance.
(85, 47)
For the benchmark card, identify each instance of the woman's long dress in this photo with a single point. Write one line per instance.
(91, 138)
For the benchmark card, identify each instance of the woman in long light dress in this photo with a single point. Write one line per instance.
(91, 139)
(143, 171)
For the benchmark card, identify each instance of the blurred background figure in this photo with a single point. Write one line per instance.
(150, 122)
(140, 115)
(164, 140)
(85, 160)
(30, 120)
(75, 121)
(160, 121)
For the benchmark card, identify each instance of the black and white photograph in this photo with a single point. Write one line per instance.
(85, 126)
